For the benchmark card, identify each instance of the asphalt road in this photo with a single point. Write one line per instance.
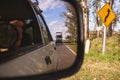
(34, 62)
(65, 56)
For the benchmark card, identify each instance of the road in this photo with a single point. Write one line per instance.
(65, 56)
(34, 62)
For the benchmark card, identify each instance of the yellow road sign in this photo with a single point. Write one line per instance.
(106, 14)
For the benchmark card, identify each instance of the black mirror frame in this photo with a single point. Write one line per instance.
(80, 52)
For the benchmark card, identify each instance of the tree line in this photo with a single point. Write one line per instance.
(95, 6)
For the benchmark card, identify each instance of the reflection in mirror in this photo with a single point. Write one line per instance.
(38, 53)
(61, 20)
(8, 36)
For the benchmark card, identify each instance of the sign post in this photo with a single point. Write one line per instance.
(107, 16)
(104, 40)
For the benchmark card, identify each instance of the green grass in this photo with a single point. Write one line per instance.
(97, 66)
(104, 57)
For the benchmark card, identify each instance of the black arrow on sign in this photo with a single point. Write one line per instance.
(107, 15)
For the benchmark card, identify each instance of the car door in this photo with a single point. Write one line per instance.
(49, 47)
(36, 57)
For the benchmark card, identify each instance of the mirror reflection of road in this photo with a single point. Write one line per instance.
(66, 56)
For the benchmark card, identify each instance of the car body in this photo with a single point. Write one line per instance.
(39, 56)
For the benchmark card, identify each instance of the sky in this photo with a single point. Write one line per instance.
(53, 14)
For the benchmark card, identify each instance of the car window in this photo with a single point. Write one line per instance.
(31, 33)
(46, 36)
(28, 15)
(28, 37)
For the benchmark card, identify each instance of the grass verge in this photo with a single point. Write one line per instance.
(97, 66)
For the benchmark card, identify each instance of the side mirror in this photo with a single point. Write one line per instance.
(8, 36)
(60, 16)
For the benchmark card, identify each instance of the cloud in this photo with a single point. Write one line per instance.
(44, 4)
(57, 26)
(51, 4)
(53, 23)
(48, 16)
(56, 4)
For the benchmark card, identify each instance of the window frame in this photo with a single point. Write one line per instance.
(44, 30)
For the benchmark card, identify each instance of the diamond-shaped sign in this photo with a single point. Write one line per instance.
(106, 14)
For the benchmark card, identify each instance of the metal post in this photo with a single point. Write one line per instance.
(104, 40)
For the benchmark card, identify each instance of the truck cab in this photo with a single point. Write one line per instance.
(58, 37)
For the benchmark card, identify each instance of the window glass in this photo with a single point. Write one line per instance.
(44, 30)
(15, 34)
(27, 36)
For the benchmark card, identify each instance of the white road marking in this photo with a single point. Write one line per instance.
(71, 50)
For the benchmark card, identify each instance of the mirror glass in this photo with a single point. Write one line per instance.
(49, 50)
(61, 20)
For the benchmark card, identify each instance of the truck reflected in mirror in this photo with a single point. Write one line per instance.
(58, 37)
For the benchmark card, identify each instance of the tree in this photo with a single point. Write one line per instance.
(86, 18)
(68, 38)
(97, 5)
(109, 31)
(70, 23)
